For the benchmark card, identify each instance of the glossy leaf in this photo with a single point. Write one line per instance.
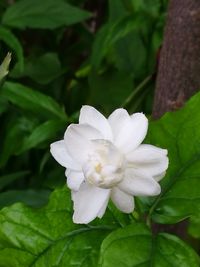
(179, 132)
(47, 237)
(48, 14)
(32, 100)
(135, 246)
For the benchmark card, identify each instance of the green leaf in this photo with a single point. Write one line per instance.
(3, 105)
(109, 34)
(43, 69)
(116, 10)
(32, 100)
(132, 59)
(135, 246)
(46, 131)
(194, 229)
(179, 132)
(9, 178)
(11, 40)
(34, 198)
(12, 141)
(47, 237)
(48, 14)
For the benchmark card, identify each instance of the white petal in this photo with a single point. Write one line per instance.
(118, 120)
(159, 176)
(137, 185)
(77, 140)
(88, 202)
(59, 152)
(94, 118)
(103, 209)
(122, 201)
(74, 179)
(146, 153)
(129, 131)
(139, 128)
(150, 160)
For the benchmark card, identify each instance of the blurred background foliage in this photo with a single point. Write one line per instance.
(66, 54)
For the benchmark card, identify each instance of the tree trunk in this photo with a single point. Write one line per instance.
(178, 75)
(179, 64)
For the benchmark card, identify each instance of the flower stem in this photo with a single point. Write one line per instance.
(129, 99)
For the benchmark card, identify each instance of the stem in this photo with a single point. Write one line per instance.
(137, 90)
(148, 221)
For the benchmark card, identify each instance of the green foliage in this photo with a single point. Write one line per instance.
(47, 237)
(13, 43)
(48, 14)
(32, 100)
(180, 194)
(135, 245)
(42, 70)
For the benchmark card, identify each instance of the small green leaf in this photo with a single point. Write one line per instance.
(48, 14)
(179, 132)
(11, 40)
(47, 237)
(135, 246)
(4, 66)
(32, 100)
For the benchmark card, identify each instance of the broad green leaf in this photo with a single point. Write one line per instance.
(135, 246)
(43, 69)
(32, 100)
(48, 14)
(11, 40)
(34, 198)
(179, 132)
(9, 178)
(42, 133)
(47, 237)
(4, 66)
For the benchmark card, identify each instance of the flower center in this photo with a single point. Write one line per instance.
(105, 166)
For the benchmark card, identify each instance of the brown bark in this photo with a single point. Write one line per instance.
(179, 64)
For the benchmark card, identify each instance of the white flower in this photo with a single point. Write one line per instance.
(105, 159)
